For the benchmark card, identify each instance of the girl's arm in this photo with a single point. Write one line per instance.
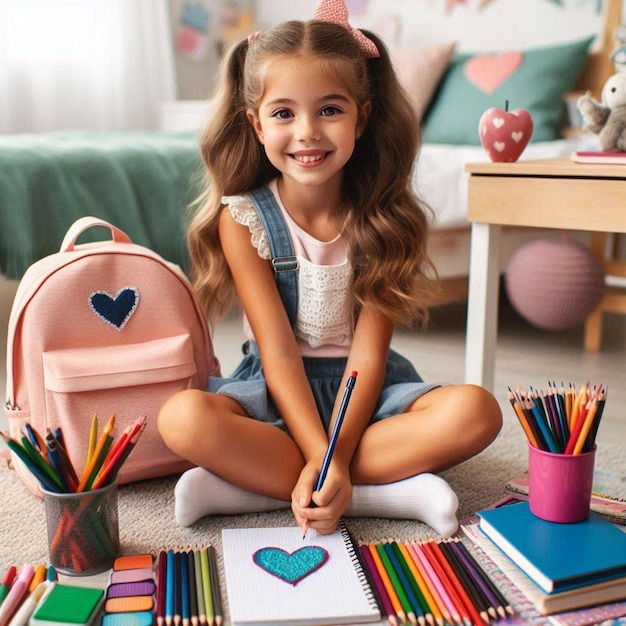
(368, 356)
(282, 363)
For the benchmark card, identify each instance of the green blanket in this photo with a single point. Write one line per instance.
(140, 181)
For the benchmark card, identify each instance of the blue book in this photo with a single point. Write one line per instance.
(557, 556)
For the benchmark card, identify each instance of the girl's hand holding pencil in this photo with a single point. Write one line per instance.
(558, 420)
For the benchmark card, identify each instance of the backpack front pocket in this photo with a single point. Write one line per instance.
(129, 381)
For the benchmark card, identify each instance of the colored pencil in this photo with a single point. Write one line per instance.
(435, 601)
(202, 618)
(332, 442)
(385, 601)
(442, 575)
(193, 598)
(407, 609)
(498, 601)
(216, 594)
(452, 612)
(161, 587)
(93, 438)
(472, 594)
(206, 586)
(405, 579)
(384, 575)
(98, 455)
(416, 581)
(560, 421)
(169, 589)
(185, 610)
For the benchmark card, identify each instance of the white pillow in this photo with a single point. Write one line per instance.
(419, 70)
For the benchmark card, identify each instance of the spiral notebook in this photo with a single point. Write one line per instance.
(273, 576)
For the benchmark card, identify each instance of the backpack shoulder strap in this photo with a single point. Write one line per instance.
(284, 262)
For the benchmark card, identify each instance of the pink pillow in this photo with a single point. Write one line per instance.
(420, 69)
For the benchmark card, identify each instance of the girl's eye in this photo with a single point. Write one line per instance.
(329, 111)
(282, 114)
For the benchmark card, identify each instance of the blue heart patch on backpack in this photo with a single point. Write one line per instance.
(115, 311)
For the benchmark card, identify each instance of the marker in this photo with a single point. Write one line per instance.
(19, 590)
(29, 605)
(6, 583)
(334, 436)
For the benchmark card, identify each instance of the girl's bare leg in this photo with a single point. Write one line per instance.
(244, 465)
(393, 463)
(391, 468)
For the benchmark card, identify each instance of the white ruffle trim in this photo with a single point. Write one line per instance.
(244, 213)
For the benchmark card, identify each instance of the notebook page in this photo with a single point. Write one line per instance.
(336, 593)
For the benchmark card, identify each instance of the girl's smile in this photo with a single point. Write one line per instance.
(310, 158)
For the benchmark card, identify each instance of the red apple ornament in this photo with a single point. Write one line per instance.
(505, 134)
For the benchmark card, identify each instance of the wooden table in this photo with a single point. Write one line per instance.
(547, 193)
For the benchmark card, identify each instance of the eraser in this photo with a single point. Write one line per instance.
(131, 575)
(128, 604)
(140, 588)
(132, 561)
(137, 618)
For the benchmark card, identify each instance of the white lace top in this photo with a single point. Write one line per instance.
(323, 322)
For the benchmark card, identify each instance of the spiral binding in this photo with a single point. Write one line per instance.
(359, 566)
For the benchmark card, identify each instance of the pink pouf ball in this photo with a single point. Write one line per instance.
(554, 283)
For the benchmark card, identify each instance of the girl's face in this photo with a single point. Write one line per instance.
(307, 121)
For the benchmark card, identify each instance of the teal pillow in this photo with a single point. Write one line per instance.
(535, 80)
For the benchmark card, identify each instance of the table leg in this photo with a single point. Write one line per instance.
(482, 306)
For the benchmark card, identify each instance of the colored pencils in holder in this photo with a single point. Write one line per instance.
(46, 458)
(560, 421)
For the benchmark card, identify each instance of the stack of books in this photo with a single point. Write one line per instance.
(558, 568)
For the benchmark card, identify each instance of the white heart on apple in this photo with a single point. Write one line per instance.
(505, 134)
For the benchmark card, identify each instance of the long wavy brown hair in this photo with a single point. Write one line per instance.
(388, 224)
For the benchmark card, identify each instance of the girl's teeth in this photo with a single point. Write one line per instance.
(308, 159)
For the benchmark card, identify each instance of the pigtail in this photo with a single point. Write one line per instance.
(235, 163)
(390, 224)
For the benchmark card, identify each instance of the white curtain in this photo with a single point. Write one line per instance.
(84, 64)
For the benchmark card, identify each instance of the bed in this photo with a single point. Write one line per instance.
(144, 181)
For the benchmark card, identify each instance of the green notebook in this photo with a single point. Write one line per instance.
(68, 605)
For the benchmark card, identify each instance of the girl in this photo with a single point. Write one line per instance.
(326, 256)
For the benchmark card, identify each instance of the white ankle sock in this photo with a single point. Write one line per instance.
(199, 492)
(425, 497)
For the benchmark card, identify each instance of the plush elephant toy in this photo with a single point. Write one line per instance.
(607, 119)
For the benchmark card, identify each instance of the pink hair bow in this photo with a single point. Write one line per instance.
(335, 11)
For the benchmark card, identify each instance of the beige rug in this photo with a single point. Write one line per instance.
(147, 522)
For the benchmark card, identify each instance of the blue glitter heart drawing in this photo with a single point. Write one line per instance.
(291, 567)
(117, 310)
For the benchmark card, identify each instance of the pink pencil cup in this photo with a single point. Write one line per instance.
(560, 485)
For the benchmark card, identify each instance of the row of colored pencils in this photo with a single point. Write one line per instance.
(560, 420)
(48, 460)
(188, 590)
(432, 583)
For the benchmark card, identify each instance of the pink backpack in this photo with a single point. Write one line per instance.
(108, 328)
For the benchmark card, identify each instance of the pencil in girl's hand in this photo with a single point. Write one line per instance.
(328, 457)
